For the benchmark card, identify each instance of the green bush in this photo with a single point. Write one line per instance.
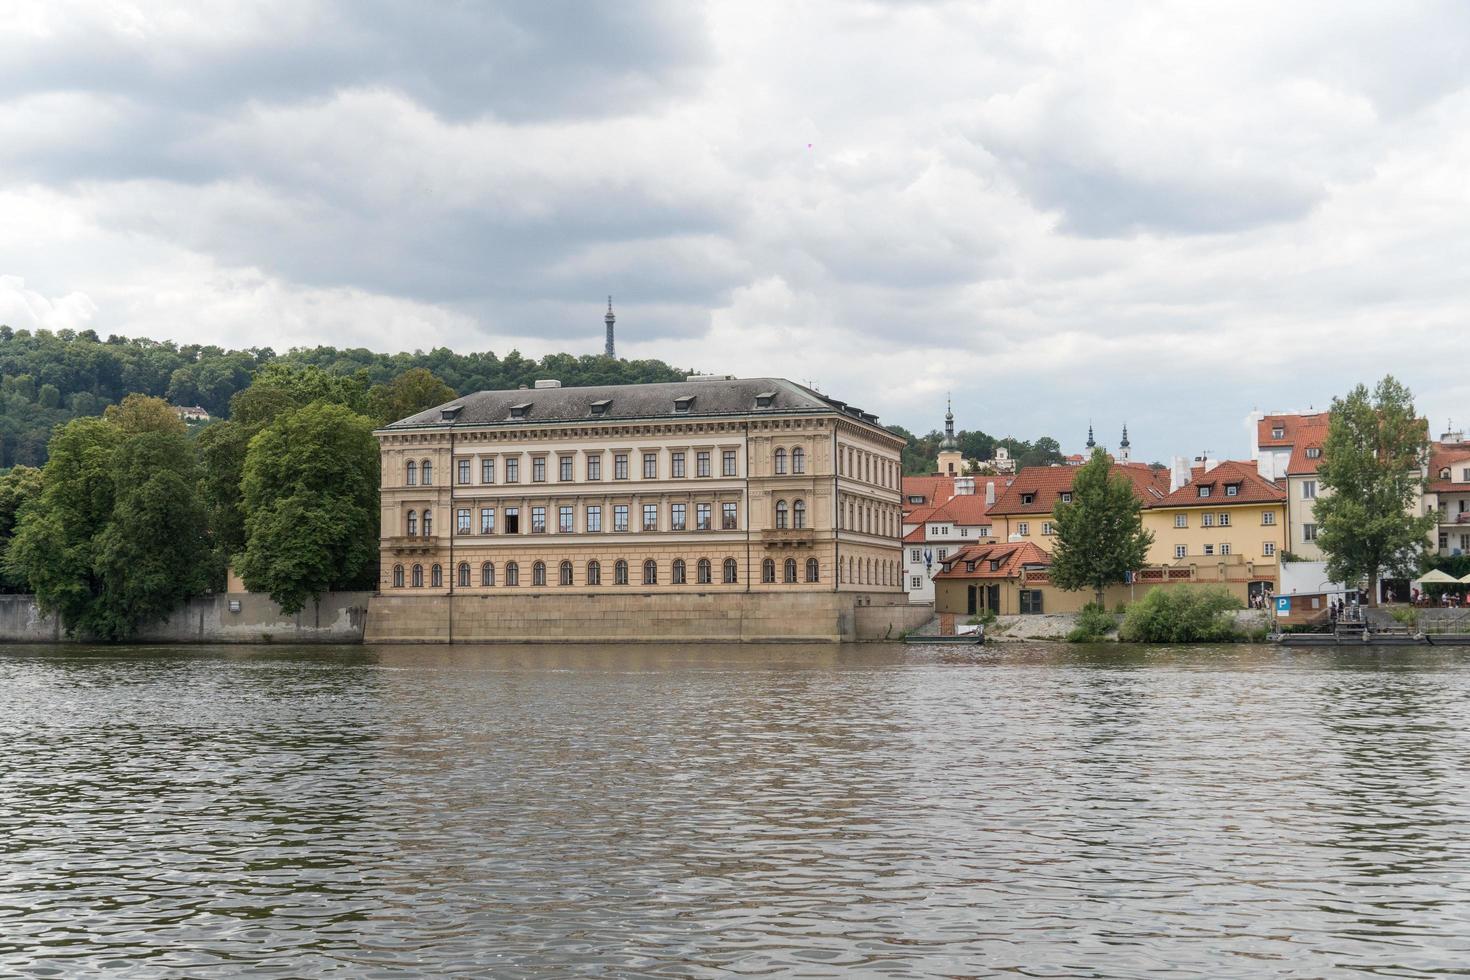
(1407, 615)
(1094, 623)
(1181, 614)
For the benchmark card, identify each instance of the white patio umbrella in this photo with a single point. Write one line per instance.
(1438, 577)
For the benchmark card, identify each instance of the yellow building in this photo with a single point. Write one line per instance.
(710, 484)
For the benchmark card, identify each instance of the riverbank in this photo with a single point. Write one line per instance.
(233, 617)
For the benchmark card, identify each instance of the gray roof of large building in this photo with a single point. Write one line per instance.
(712, 398)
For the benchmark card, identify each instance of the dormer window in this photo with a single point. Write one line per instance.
(916, 499)
(1444, 474)
(1204, 491)
(995, 564)
(1232, 489)
(600, 408)
(1067, 497)
(450, 414)
(1314, 452)
(1028, 499)
(969, 566)
(765, 399)
(1278, 433)
(520, 411)
(682, 405)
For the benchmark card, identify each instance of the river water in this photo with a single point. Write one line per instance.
(1044, 811)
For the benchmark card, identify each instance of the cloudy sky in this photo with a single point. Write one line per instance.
(1164, 213)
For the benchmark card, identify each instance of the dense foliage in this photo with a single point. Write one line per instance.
(1367, 521)
(1099, 535)
(920, 451)
(17, 487)
(49, 377)
(1094, 623)
(1181, 615)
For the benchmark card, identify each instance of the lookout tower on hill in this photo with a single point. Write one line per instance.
(610, 349)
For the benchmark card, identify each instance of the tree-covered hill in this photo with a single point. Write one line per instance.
(50, 377)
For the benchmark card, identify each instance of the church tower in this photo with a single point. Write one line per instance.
(610, 350)
(1091, 442)
(1123, 446)
(951, 460)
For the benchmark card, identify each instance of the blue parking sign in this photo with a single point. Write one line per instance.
(1283, 604)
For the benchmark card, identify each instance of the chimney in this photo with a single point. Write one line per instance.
(989, 494)
(548, 383)
(1178, 473)
(964, 486)
(1211, 463)
(1266, 466)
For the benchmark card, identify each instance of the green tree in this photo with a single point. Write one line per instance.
(1100, 535)
(1372, 472)
(137, 414)
(311, 505)
(411, 392)
(18, 487)
(222, 447)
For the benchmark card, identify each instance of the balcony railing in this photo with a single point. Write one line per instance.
(408, 543)
(789, 536)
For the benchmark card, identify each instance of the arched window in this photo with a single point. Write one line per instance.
(790, 570)
(594, 573)
(781, 514)
(677, 574)
(798, 460)
(428, 523)
(813, 570)
(428, 470)
(798, 513)
(436, 576)
(418, 576)
(464, 575)
(564, 573)
(780, 461)
(512, 573)
(702, 572)
(732, 571)
(413, 523)
(620, 572)
(768, 571)
(1444, 473)
(538, 573)
(650, 572)
(397, 576)
(413, 473)
(487, 573)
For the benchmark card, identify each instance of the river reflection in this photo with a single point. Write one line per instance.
(876, 810)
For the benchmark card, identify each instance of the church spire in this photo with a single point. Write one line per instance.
(1124, 443)
(1091, 442)
(610, 350)
(949, 439)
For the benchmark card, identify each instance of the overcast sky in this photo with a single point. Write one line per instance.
(1164, 213)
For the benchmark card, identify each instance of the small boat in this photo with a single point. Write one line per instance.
(973, 638)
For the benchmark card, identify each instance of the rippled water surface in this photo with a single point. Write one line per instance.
(886, 811)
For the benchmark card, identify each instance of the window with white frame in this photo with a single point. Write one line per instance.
(594, 518)
(1224, 548)
(1181, 520)
(1268, 518)
(1208, 520)
(1023, 528)
(1268, 548)
(1309, 489)
(1181, 551)
(1209, 549)
(1224, 520)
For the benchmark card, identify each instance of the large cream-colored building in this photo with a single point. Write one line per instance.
(705, 485)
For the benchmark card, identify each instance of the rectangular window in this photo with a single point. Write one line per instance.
(1209, 549)
(564, 469)
(594, 467)
(1309, 532)
(916, 582)
(512, 470)
(1232, 489)
(487, 471)
(1204, 491)
(676, 516)
(1268, 548)
(620, 517)
(701, 464)
(594, 519)
(702, 517)
(1309, 489)
(728, 516)
(1208, 520)
(512, 520)
(1031, 601)
(1224, 520)
(1225, 548)
(463, 470)
(650, 466)
(942, 553)
(620, 466)
(487, 520)
(538, 520)
(1046, 527)
(462, 519)
(727, 462)
(1181, 551)
(1268, 517)
(650, 517)
(1181, 520)
(1066, 498)
(1023, 529)
(678, 459)
(564, 523)
(914, 555)
(538, 469)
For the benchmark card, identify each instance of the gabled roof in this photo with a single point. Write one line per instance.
(712, 398)
(1012, 556)
(1454, 455)
(966, 510)
(1252, 488)
(934, 489)
(1046, 484)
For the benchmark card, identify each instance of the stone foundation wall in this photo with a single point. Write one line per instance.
(756, 617)
(338, 618)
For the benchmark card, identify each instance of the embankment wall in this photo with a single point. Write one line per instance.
(338, 618)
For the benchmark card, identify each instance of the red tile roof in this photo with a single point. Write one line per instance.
(1046, 484)
(934, 489)
(1298, 433)
(1455, 456)
(1011, 556)
(966, 509)
(1252, 488)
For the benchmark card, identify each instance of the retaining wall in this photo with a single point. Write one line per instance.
(338, 618)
